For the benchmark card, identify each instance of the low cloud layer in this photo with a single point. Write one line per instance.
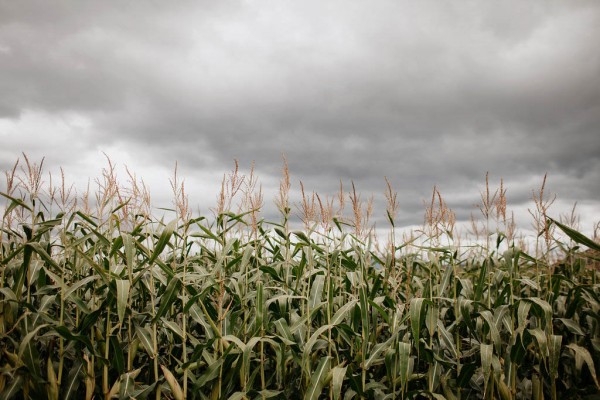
(425, 93)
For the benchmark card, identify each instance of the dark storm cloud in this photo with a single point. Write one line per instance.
(425, 93)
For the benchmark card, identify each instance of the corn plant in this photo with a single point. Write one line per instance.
(100, 298)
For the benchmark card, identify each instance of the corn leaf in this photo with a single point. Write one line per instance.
(317, 380)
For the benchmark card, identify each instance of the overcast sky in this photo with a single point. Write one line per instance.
(423, 92)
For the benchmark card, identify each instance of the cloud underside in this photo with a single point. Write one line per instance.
(424, 93)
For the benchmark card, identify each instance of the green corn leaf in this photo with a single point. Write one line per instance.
(417, 308)
(481, 282)
(266, 269)
(486, 353)
(81, 338)
(466, 307)
(118, 358)
(376, 352)
(528, 282)
(522, 313)
(381, 310)
(14, 203)
(248, 348)
(37, 248)
(544, 306)
(518, 350)
(341, 313)
(284, 330)
(197, 315)
(316, 291)
(210, 235)
(122, 297)
(128, 384)
(433, 375)
(317, 380)
(391, 363)
(169, 295)
(5, 260)
(145, 337)
(572, 326)
(104, 241)
(446, 278)
(302, 236)
(78, 285)
(97, 268)
(165, 236)
(143, 392)
(172, 326)
(576, 236)
(337, 380)
(314, 337)
(447, 339)
(364, 308)
(129, 243)
(211, 373)
(44, 308)
(25, 347)
(541, 340)
(235, 340)
(583, 355)
(554, 348)
(489, 319)
(431, 319)
(260, 305)
(115, 245)
(404, 350)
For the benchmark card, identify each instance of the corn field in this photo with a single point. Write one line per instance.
(101, 299)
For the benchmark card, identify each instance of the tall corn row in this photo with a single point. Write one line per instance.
(107, 301)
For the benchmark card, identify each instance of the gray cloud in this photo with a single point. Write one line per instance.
(422, 92)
